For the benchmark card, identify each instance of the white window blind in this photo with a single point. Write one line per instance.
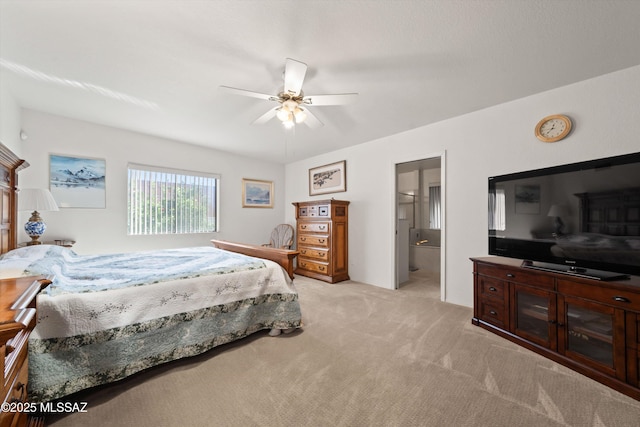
(170, 201)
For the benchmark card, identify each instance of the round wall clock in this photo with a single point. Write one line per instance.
(553, 128)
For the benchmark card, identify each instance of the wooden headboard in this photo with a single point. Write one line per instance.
(10, 165)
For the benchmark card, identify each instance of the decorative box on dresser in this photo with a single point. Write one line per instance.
(591, 326)
(322, 239)
(17, 320)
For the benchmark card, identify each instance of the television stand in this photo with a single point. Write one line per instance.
(591, 326)
(575, 271)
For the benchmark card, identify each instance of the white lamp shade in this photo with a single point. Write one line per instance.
(36, 199)
(558, 210)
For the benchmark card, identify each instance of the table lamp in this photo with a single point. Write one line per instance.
(35, 199)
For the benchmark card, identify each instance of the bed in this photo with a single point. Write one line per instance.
(105, 317)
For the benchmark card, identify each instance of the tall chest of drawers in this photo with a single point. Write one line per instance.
(323, 239)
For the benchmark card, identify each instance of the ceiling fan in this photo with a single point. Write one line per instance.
(292, 102)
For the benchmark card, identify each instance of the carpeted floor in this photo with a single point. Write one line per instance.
(365, 357)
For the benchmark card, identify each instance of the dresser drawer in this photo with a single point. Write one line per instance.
(313, 227)
(314, 253)
(618, 298)
(490, 287)
(516, 275)
(311, 240)
(494, 312)
(318, 267)
(18, 390)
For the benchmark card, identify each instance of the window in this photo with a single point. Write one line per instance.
(167, 201)
(435, 215)
(497, 210)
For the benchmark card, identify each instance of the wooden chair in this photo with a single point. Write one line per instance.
(281, 237)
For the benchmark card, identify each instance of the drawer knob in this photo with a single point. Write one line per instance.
(510, 275)
(492, 289)
(9, 348)
(303, 226)
(322, 227)
(621, 299)
(321, 268)
(320, 253)
(493, 312)
(304, 239)
(321, 240)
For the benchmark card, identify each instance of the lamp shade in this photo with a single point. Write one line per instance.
(36, 199)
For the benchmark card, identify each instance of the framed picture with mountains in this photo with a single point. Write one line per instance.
(77, 182)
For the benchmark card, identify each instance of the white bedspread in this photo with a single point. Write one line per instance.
(125, 320)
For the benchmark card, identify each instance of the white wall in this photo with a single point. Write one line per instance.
(105, 230)
(497, 140)
(10, 121)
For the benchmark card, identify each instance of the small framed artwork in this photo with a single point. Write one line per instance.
(257, 193)
(330, 178)
(527, 199)
(77, 182)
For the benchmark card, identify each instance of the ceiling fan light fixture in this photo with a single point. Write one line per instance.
(290, 105)
(300, 115)
(288, 123)
(282, 114)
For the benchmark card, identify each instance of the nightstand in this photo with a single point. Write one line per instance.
(58, 242)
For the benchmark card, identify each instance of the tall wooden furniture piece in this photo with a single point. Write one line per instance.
(17, 320)
(323, 239)
(10, 164)
(588, 325)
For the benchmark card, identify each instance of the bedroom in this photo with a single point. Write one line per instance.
(608, 96)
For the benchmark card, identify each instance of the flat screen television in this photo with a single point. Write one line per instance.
(581, 218)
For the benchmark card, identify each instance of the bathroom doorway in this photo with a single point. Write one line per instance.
(419, 224)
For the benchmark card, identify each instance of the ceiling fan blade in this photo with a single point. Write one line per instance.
(266, 116)
(337, 99)
(294, 73)
(311, 120)
(243, 92)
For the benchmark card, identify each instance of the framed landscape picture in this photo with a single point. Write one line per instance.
(528, 199)
(257, 193)
(330, 178)
(77, 182)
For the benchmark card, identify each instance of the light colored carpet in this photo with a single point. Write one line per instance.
(365, 357)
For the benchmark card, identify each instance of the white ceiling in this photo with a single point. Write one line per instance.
(155, 66)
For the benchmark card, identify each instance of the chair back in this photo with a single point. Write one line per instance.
(282, 237)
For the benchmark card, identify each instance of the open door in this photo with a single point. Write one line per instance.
(420, 222)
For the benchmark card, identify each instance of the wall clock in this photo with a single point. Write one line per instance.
(553, 128)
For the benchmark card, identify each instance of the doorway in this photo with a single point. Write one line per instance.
(420, 223)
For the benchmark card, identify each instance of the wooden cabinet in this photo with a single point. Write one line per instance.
(588, 325)
(323, 239)
(10, 165)
(17, 320)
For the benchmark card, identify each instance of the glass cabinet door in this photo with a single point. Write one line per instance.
(589, 334)
(534, 315)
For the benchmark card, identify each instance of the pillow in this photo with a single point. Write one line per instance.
(35, 252)
(32, 260)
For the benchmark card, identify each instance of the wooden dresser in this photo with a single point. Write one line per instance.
(323, 231)
(17, 320)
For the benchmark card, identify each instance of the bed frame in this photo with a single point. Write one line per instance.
(284, 257)
(10, 165)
